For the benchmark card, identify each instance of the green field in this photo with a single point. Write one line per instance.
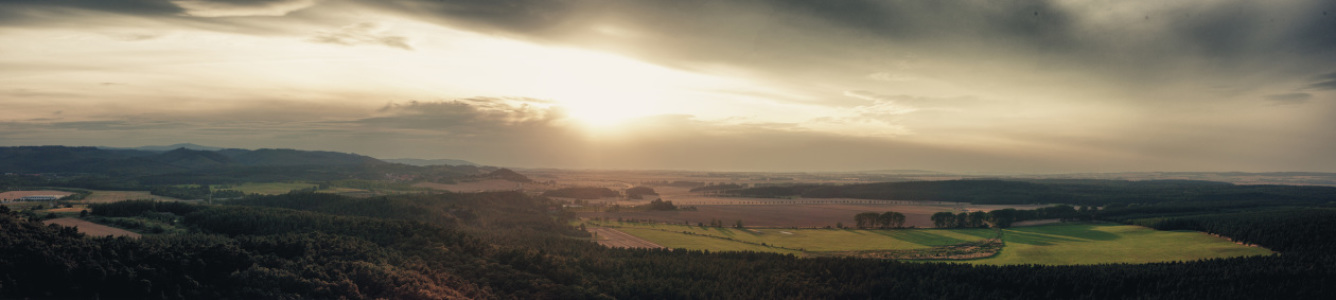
(1056, 244)
(265, 188)
(1075, 244)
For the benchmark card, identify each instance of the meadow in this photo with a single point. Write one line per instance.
(1084, 244)
(1053, 244)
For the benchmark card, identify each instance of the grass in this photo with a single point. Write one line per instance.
(1055, 244)
(1083, 244)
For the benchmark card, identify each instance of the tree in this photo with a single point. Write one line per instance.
(943, 219)
(891, 219)
(639, 192)
(1002, 218)
(659, 204)
(977, 218)
(738, 225)
(865, 220)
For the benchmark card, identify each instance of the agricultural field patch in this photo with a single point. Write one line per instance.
(1054, 244)
(12, 196)
(117, 196)
(265, 188)
(698, 242)
(92, 229)
(1083, 244)
(814, 240)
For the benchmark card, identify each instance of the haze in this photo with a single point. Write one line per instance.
(1009, 86)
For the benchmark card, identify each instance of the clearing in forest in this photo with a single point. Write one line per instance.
(92, 229)
(117, 196)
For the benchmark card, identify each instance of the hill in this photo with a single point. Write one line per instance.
(507, 174)
(430, 162)
(121, 169)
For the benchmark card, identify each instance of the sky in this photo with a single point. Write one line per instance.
(748, 85)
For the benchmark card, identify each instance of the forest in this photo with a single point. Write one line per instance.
(509, 245)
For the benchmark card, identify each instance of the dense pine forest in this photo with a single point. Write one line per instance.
(513, 246)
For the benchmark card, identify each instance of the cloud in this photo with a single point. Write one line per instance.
(1289, 99)
(908, 100)
(1325, 82)
(466, 117)
(241, 8)
(365, 33)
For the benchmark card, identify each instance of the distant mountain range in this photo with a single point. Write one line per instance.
(168, 148)
(430, 162)
(192, 164)
(57, 159)
(406, 161)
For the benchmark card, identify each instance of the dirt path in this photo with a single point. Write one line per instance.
(613, 238)
(92, 229)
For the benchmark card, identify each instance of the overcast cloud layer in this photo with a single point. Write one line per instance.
(1025, 86)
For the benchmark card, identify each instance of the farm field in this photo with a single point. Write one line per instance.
(92, 229)
(266, 188)
(814, 240)
(14, 195)
(692, 242)
(612, 238)
(1081, 244)
(116, 196)
(1054, 244)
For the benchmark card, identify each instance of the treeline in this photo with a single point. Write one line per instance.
(718, 187)
(1112, 193)
(639, 192)
(192, 192)
(659, 204)
(676, 183)
(131, 208)
(976, 219)
(888, 219)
